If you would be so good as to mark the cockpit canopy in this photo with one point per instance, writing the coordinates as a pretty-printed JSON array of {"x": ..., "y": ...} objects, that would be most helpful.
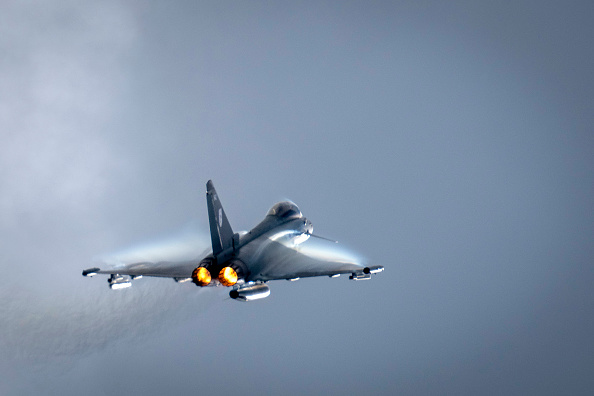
[{"x": 285, "y": 210}]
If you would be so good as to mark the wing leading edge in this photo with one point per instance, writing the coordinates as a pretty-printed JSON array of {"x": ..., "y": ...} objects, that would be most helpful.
[
  {"x": 164, "y": 269},
  {"x": 277, "y": 261}
]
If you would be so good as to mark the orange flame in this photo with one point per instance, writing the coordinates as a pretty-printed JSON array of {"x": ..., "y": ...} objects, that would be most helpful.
[
  {"x": 201, "y": 276},
  {"x": 228, "y": 276}
]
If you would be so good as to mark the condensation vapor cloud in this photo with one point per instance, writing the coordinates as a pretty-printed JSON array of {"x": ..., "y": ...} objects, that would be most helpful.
[
  {"x": 181, "y": 246},
  {"x": 326, "y": 250},
  {"x": 36, "y": 330}
]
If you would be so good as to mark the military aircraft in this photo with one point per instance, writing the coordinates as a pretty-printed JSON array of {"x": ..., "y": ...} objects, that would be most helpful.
[{"x": 246, "y": 261}]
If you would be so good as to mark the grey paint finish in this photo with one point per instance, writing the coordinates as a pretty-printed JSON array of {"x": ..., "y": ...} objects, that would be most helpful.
[{"x": 264, "y": 258}]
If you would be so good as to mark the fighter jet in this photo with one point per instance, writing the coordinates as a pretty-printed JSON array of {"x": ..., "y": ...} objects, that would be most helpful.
[{"x": 246, "y": 261}]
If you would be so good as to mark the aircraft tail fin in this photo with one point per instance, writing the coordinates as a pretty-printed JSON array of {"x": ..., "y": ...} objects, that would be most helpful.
[{"x": 221, "y": 232}]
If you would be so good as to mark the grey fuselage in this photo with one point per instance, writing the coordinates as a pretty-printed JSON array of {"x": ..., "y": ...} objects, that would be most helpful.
[{"x": 248, "y": 246}]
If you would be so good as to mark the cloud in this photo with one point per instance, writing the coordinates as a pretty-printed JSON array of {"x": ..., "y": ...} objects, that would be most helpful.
[
  {"x": 64, "y": 70},
  {"x": 63, "y": 77}
]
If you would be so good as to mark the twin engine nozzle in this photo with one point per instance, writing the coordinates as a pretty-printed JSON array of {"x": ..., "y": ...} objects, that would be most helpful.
[
  {"x": 201, "y": 276},
  {"x": 227, "y": 275}
]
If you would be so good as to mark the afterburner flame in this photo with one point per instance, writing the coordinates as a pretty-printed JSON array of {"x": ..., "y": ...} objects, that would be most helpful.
[
  {"x": 201, "y": 276},
  {"x": 228, "y": 276}
]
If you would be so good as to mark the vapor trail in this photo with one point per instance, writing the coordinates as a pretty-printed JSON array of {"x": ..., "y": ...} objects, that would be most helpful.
[{"x": 78, "y": 320}]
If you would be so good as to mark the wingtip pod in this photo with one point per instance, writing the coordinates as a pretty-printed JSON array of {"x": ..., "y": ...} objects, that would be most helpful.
[
  {"x": 366, "y": 273},
  {"x": 209, "y": 185},
  {"x": 91, "y": 271},
  {"x": 373, "y": 270}
]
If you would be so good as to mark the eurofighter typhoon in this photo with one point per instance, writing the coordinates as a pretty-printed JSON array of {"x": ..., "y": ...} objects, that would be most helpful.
[{"x": 247, "y": 261}]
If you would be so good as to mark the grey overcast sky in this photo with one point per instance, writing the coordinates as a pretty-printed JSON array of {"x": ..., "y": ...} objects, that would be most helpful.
[{"x": 451, "y": 142}]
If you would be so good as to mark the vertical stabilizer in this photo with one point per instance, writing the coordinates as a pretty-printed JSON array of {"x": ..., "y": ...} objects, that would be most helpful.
[{"x": 220, "y": 229}]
